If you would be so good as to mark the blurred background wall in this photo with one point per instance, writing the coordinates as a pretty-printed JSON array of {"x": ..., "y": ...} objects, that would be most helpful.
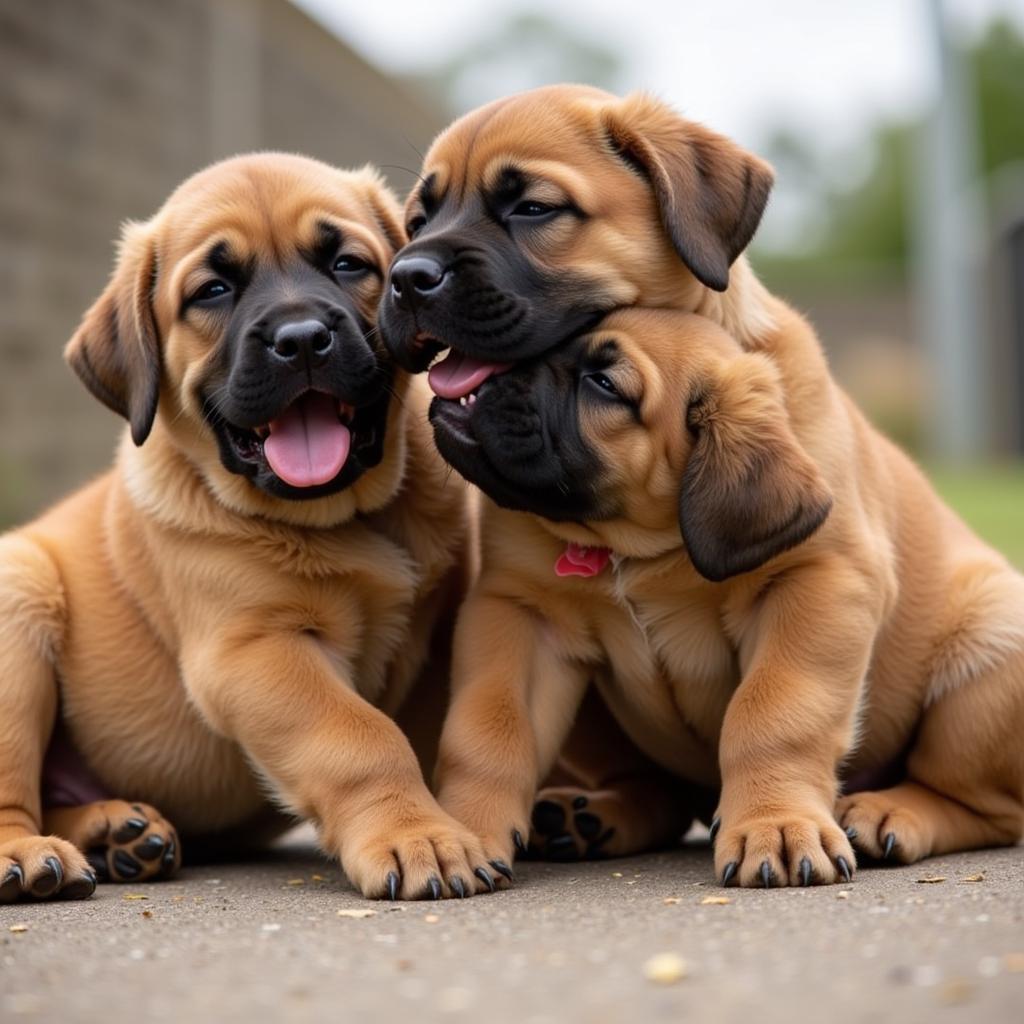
[
  {"x": 105, "y": 105},
  {"x": 896, "y": 128}
]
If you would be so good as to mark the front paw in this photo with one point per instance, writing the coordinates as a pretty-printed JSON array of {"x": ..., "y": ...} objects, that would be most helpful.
[
  {"x": 423, "y": 854},
  {"x": 801, "y": 845},
  {"x": 502, "y": 823}
]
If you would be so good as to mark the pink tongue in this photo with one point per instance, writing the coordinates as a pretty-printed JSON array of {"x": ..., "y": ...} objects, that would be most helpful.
[
  {"x": 308, "y": 444},
  {"x": 457, "y": 375}
]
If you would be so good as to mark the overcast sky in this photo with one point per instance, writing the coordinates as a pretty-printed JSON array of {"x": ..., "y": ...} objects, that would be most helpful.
[
  {"x": 826, "y": 70},
  {"x": 828, "y": 65}
]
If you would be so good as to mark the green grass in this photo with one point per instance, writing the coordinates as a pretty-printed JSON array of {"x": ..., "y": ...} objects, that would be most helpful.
[{"x": 991, "y": 499}]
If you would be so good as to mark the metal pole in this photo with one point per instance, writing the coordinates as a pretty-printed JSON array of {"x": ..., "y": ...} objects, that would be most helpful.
[{"x": 949, "y": 233}]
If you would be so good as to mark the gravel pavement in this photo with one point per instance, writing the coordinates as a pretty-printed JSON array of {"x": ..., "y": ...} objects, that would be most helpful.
[{"x": 275, "y": 941}]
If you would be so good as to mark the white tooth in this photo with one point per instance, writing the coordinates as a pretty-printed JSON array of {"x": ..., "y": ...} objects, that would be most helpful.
[
  {"x": 472, "y": 397},
  {"x": 462, "y": 400}
]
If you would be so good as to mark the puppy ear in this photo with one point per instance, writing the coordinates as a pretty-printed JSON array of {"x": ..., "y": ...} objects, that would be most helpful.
[
  {"x": 749, "y": 491},
  {"x": 116, "y": 350},
  {"x": 387, "y": 211},
  {"x": 711, "y": 193}
]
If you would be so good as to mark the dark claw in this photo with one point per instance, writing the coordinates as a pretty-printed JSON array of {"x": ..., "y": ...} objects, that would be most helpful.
[
  {"x": 167, "y": 864},
  {"x": 80, "y": 888},
  {"x": 844, "y": 868},
  {"x": 730, "y": 870},
  {"x": 503, "y": 869},
  {"x": 151, "y": 848},
  {"x": 588, "y": 825},
  {"x": 392, "y": 883},
  {"x": 48, "y": 882},
  {"x": 716, "y": 824},
  {"x": 851, "y": 833},
  {"x": 458, "y": 886},
  {"x": 766, "y": 874},
  {"x": 126, "y": 865},
  {"x": 485, "y": 876},
  {"x": 805, "y": 871},
  {"x": 98, "y": 862},
  {"x": 517, "y": 840},
  {"x": 890, "y": 843},
  {"x": 131, "y": 829},
  {"x": 579, "y": 803},
  {"x": 434, "y": 888},
  {"x": 10, "y": 887}
]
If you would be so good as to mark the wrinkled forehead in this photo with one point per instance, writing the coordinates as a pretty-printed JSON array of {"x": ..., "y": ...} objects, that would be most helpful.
[
  {"x": 252, "y": 217},
  {"x": 672, "y": 351},
  {"x": 539, "y": 134}
]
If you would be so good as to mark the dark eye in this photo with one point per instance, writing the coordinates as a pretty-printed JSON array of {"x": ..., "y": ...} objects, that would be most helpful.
[
  {"x": 531, "y": 208},
  {"x": 349, "y": 265},
  {"x": 415, "y": 225},
  {"x": 215, "y": 289},
  {"x": 604, "y": 382}
]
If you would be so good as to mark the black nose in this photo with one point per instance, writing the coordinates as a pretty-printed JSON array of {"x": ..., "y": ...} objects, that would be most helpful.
[
  {"x": 303, "y": 341},
  {"x": 416, "y": 278}
]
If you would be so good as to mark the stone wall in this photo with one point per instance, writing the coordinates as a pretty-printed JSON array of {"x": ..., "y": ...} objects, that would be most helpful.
[{"x": 105, "y": 105}]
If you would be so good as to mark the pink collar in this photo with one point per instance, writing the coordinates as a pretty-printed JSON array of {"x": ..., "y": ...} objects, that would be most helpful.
[{"x": 578, "y": 560}]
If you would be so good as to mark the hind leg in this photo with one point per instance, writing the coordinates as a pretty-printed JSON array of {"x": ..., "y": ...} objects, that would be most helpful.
[
  {"x": 605, "y": 798},
  {"x": 123, "y": 842},
  {"x": 31, "y": 622},
  {"x": 965, "y": 777}
]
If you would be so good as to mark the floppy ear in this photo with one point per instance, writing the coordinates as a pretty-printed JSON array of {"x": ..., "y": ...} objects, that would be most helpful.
[
  {"x": 116, "y": 350},
  {"x": 711, "y": 193},
  {"x": 749, "y": 491},
  {"x": 385, "y": 208}
]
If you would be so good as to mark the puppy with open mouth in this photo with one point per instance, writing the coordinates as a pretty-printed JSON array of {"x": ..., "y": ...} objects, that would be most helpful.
[
  {"x": 773, "y": 601},
  {"x": 230, "y": 619}
]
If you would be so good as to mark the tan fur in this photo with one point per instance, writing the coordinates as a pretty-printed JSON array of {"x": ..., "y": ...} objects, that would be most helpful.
[
  {"x": 216, "y": 647},
  {"x": 686, "y": 208},
  {"x": 889, "y": 642}
]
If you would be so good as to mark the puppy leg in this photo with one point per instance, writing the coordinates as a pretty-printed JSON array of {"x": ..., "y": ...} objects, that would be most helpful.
[
  {"x": 333, "y": 758},
  {"x": 965, "y": 777},
  {"x": 514, "y": 698},
  {"x": 789, "y": 723},
  {"x": 31, "y": 626},
  {"x": 605, "y": 798},
  {"x": 123, "y": 842}
]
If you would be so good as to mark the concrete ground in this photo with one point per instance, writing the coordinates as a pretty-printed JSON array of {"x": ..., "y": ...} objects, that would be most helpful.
[{"x": 273, "y": 941}]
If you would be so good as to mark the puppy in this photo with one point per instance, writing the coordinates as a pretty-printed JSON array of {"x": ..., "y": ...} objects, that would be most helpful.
[
  {"x": 235, "y": 612},
  {"x": 535, "y": 216},
  {"x": 771, "y": 597},
  {"x": 539, "y": 213}
]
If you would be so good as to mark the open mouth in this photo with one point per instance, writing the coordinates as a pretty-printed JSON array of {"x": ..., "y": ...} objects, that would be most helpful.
[
  {"x": 458, "y": 376},
  {"x": 309, "y": 443}
]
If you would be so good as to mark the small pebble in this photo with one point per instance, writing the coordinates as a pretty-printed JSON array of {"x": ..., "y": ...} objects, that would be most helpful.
[
  {"x": 271, "y": 928},
  {"x": 18, "y": 928},
  {"x": 715, "y": 901},
  {"x": 431, "y": 918},
  {"x": 843, "y": 894},
  {"x": 931, "y": 880},
  {"x": 956, "y": 991},
  {"x": 671, "y": 900},
  {"x": 665, "y": 969},
  {"x": 358, "y": 913}
]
